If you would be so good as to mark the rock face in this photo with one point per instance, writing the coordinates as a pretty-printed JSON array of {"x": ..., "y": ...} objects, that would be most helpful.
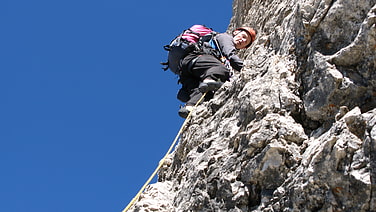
[{"x": 296, "y": 129}]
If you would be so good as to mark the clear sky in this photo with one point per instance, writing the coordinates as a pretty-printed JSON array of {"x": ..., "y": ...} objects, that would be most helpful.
[{"x": 86, "y": 112}]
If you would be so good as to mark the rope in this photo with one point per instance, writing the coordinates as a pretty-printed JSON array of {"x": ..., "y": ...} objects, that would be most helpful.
[{"x": 164, "y": 158}]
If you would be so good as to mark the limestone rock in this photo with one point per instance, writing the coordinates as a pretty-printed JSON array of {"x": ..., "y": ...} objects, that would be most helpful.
[{"x": 296, "y": 129}]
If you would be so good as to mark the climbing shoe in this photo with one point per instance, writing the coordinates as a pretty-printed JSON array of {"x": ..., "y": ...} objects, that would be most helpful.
[
  {"x": 184, "y": 111},
  {"x": 209, "y": 85}
]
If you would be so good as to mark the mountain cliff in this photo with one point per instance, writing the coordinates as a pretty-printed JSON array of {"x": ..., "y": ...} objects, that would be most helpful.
[{"x": 295, "y": 129}]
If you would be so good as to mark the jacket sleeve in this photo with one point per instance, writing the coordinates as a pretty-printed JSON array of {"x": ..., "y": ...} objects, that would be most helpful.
[{"x": 227, "y": 47}]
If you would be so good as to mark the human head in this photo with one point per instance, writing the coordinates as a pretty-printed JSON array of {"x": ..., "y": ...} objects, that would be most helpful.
[{"x": 243, "y": 37}]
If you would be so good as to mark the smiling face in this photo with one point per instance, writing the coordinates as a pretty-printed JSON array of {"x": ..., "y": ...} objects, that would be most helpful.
[{"x": 241, "y": 39}]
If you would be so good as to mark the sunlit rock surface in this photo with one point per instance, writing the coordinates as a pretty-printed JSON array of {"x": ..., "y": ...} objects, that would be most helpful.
[{"x": 295, "y": 130}]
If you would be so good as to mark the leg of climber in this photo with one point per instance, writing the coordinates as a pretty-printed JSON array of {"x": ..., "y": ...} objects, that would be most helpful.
[
  {"x": 189, "y": 106},
  {"x": 203, "y": 74},
  {"x": 211, "y": 72},
  {"x": 189, "y": 84}
]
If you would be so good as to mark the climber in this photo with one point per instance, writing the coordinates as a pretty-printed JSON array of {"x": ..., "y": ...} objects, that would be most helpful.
[{"x": 205, "y": 71}]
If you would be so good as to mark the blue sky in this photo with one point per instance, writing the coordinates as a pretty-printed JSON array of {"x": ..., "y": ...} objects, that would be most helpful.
[{"x": 86, "y": 112}]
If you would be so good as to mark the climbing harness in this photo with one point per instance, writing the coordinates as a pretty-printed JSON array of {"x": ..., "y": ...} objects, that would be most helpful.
[{"x": 164, "y": 158}]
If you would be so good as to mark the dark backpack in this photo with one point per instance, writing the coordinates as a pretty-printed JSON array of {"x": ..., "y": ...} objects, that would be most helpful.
[{"x": 188, "y": 41}]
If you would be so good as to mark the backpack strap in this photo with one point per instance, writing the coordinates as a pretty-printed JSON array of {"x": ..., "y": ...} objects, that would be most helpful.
[
  {"x": 209, "y": 45},
  {"x": 167, "y": 47},
  {"x": 216, "y": 45},
  {"x": 223, "y": 59},
  {"x": 165, "y": 65}
]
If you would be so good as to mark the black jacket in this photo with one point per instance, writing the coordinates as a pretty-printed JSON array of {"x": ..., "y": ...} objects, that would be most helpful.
[{"x": 227, "y": 48}]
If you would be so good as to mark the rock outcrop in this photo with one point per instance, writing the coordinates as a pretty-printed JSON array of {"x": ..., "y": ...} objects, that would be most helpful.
[{"x": 296, "y": 129}]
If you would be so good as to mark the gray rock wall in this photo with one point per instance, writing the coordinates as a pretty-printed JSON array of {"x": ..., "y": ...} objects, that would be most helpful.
[{"x": 295, "y": 130}]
